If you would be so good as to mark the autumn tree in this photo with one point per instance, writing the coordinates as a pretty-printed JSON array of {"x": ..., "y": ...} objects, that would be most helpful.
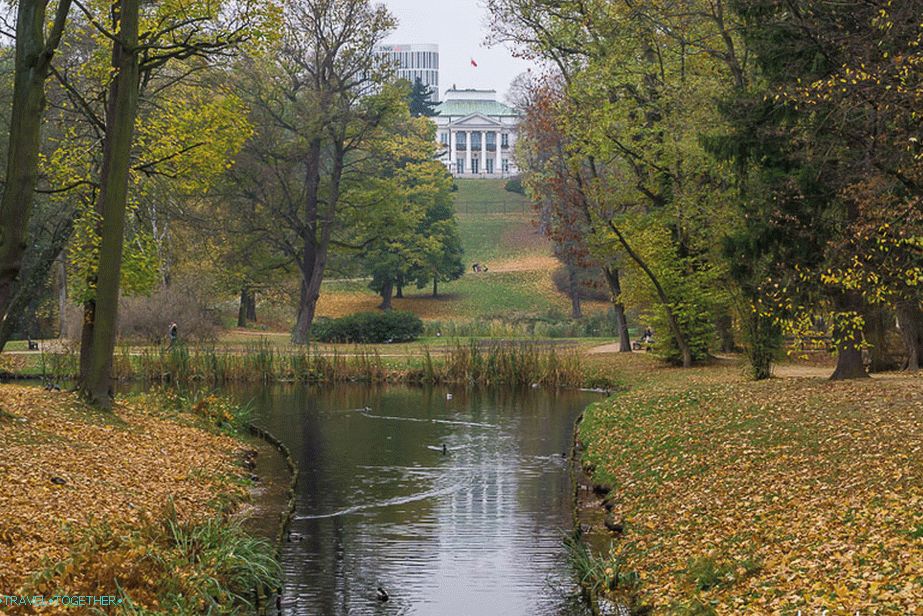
[
  {"x": 37, "y": 42},
  {"x": 316, "y": 104},
  {"x": 829, "y": 137},
  {"x": 144, "y": 45},
  {"x": 638, "y": 96}
]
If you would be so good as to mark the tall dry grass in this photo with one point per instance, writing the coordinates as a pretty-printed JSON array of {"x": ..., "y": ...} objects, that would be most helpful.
[{"x": 493, "y": 363}]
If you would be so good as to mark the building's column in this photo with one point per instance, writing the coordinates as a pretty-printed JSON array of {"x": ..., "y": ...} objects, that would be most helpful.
[
  {"x": 498, "y": 162},
  {"x": 483, "y": 163},
  {"x": 452, "y": 154},
  {"x": 468, "y": 151}
]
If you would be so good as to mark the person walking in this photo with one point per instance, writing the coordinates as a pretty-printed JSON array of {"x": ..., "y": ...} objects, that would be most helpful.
[{"x": 173, "y": 334}]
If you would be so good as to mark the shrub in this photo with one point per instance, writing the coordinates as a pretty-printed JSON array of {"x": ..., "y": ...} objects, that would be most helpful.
[
  {"x": 514, "y": 185},
  {"x": 186, "y": 303},
  {"x": 370, "y": 327},
  {"x": 696, "y": 325}
]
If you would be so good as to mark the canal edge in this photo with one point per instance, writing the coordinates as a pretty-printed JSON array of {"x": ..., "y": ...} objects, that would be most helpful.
[
  {"x": 589, "y": 514},
  {"x": 285, "y": 516}
]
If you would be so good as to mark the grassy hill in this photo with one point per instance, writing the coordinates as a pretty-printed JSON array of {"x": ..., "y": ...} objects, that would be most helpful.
[{"x": 497, "y": 230}]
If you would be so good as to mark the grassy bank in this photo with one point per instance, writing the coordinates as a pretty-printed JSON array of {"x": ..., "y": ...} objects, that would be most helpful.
[
  {"x": 135, "y": 504},
  {"x": 764, "y": 498}
]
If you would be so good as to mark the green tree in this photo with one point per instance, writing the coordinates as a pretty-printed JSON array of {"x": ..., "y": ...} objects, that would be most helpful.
[
  {"x": 317, "y": 103},
  {"x": 142, "y": 44},
  {"x": 421, "y": 103},
  {"x": 35, "y": 49},
  {"x": 825, "y": 141},
  {"x": 405, "y": 223}
]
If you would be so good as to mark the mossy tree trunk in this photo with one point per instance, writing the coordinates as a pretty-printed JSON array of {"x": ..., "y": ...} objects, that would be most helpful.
[
  {"x": 121, "y": 110},
  {"x": 31, "y": 69}
]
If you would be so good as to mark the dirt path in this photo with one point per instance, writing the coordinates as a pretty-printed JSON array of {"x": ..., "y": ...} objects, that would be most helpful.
[{"x": 613, "y": 347}]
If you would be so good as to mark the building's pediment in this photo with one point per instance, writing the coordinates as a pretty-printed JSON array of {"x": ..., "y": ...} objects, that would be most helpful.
[{"x": 475, "y": 120}]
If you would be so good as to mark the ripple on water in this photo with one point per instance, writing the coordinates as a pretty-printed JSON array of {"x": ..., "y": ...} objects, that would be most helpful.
[{"x": 475, "y": 532}]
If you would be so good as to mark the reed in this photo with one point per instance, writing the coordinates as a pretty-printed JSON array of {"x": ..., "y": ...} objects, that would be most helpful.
[{"x": 484, "y": 363}]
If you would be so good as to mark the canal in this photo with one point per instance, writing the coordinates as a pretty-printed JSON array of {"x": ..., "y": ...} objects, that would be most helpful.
[{"x": 453, "y": 501}]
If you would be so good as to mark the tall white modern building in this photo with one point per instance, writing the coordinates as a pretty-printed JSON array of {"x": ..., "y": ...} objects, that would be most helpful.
[
  {"x": 477, "y": 133},
  {"x": 415, "y": 62}
]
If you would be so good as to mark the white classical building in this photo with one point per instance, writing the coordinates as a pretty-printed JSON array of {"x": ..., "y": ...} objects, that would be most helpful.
[
  {"x": 414, "y": 63},
  {"x": 477, "y": 132}
]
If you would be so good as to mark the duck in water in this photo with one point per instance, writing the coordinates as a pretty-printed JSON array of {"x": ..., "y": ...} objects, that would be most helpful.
[
  {"x": 382, "y": 595},
  {"x": 445, "y": 449}
]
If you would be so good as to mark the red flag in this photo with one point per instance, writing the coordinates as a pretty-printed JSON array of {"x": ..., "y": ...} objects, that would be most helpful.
[{"x": 473, "y": 63}]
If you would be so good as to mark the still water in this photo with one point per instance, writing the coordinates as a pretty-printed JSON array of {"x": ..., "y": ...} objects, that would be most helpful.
[{"x": 453, "y": 501}]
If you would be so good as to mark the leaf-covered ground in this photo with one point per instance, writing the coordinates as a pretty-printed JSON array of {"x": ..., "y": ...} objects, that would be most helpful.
[
  {"x": 766, "y": 498},
  {"x": 65, "y": 468}
]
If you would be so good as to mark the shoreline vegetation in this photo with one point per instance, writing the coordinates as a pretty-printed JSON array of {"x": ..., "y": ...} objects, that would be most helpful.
[
  {"x": 709, "y": 493},
  {"x": 154, "y": 494},
  {"x": 493, "y": 362}
]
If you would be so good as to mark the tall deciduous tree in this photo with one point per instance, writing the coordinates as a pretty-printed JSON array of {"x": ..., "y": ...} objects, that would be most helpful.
[
  {"x": 316, "y": 106},
  {"x": 35, "y": 48},
  {"x": 170, "y": 34},
  {"x": 831, "y": 137},
  {"x": 556, "y": 182}
]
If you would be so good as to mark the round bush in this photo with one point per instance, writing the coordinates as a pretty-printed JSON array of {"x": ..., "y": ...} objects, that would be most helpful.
[
  {"x": 370, "y": 327},
  {"x": 514, "y": 185}
]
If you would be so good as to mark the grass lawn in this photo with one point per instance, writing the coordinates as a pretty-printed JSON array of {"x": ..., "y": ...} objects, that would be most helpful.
[
  {"x": 763, "y": 497},
  {"x": 488, "y": 196}
]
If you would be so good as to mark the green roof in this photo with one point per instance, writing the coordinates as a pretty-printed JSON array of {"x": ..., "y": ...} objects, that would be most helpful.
[{"x": 462, "y": 108}]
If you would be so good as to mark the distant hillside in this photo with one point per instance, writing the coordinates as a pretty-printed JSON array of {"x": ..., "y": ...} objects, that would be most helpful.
[{"x": 498, "y": 231}]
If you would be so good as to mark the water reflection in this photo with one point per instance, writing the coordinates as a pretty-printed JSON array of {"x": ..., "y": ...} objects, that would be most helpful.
[{"x": 454, "y": 506}]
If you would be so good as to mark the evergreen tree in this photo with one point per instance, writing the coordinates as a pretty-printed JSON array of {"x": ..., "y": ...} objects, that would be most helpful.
[{"x": 420, "y": 103}]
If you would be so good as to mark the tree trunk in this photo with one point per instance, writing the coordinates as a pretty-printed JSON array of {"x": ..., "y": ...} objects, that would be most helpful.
[
  {"x": 849, "y": 364},
  {"x": 724, "y": 326},
  {"x": 316, "y": 238},
  {"x": 251, "y": 307},
  {"x": 386, "y": 292},
  {"x": 573, "y": 287},
  {"x": 621, "y": 323},
  {"x": 86, "y": 339},
  {"x": 763, "y": 343},
  {"x": 910, "y": 323},
  {"x": 32, "y": 62},
  {"x": 435, "y": 285},
  {"x": 62, "y": 295},
  {"x": 246, "y": 308},
  {"x": 876, "y": 333},
  {"x": 120, "y": 121},
  {"x": 28, "y": 287},
  {"x": 400, "y": 287},
  {"x": 675, "y": 329},
  {"x": 307, "y": 305}
]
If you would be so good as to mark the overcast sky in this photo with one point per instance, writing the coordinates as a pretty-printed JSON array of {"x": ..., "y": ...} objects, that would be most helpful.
[{"x": 459, "y": 28}]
